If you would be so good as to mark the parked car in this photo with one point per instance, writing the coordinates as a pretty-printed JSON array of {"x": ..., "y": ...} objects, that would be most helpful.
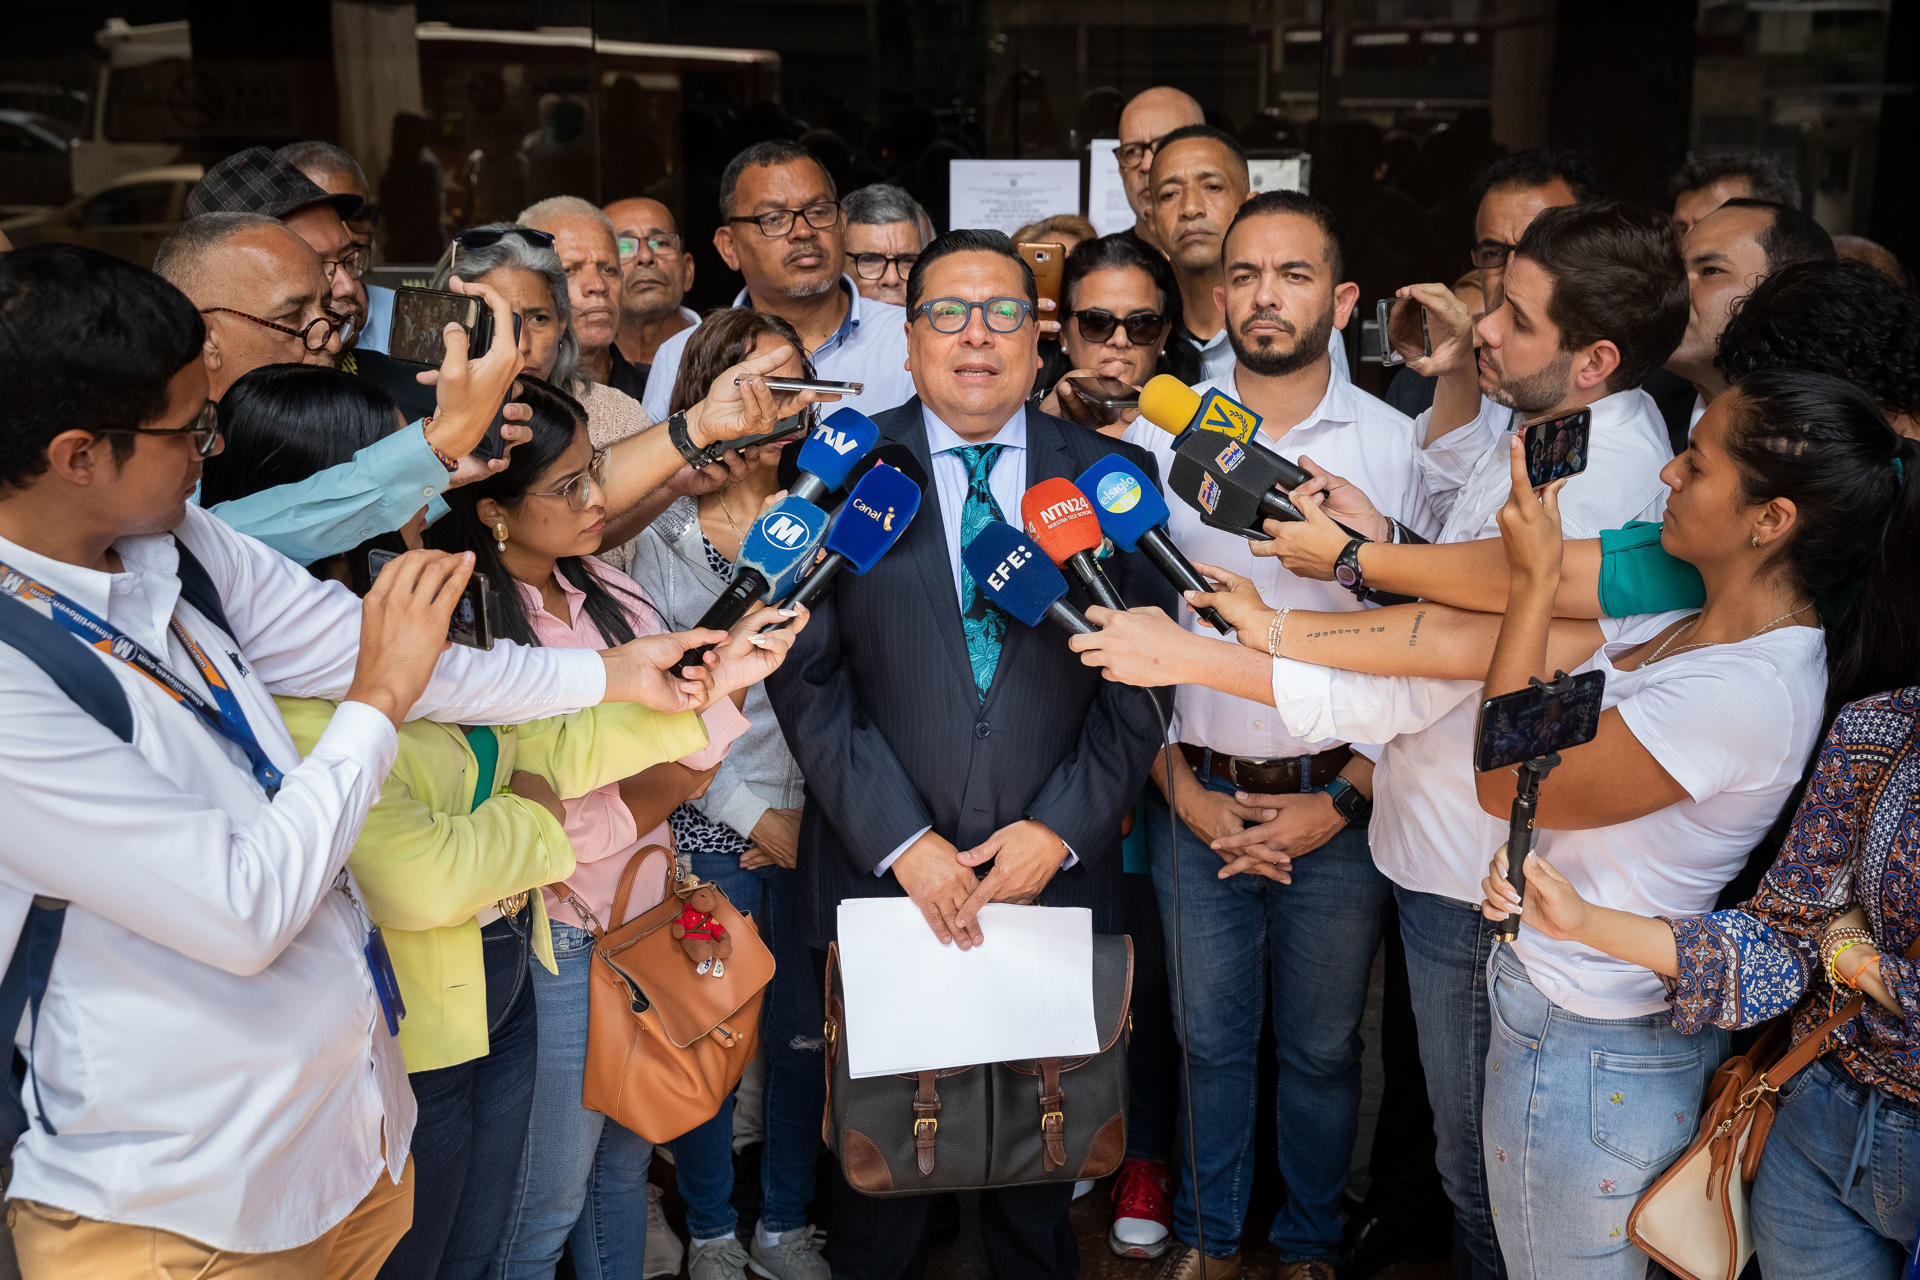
[{"x": 128, "y": 217}]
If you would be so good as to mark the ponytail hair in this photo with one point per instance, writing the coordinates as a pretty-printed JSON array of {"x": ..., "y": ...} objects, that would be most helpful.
[
  {"x": 1822, "y": 443},
  {"x": 557, "y": 421}
]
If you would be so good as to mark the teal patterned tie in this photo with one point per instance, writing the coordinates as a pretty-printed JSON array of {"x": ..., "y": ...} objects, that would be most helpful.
[{"x": 985, "y": 625}]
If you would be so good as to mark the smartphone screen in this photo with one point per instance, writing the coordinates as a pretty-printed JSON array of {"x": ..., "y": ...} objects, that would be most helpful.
[
  {"x": 472, "y": 621},
  {"x": 1108, "y": 393},
  {"x": 420, "y": 320},
  {"x": 1557, "y": 447},
  {"x": 1533, "y": 722},
  {"x": 1048, "y": 261}
]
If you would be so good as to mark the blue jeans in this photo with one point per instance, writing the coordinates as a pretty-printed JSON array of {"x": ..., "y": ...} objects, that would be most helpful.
[
  {"x": 1582, "y": 1115},
  {"x": 1448, "y": 943},
  {"x": 796, "y": 1090},
  {"x": 472, "y": 1130},
  {"x": 583, "y": 1179},
  {"x": 1312, "y": 943},
  {"x": 1838, "y": 1192}
]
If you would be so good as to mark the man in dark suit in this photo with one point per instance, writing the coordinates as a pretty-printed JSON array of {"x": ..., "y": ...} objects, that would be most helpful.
[{"x": 951, "y": 754}]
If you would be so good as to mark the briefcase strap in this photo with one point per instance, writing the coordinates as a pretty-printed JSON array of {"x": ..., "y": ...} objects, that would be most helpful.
[
  {"x": 926, "y": 1121},
  {"x": 1053, "y": 1116}
]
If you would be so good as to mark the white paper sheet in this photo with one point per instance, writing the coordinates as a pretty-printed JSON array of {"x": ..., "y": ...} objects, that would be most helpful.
[
  {"x": 1277, "y": 173},
  {"x": 915, "y": 1005},
  {"x": 1005, "y": 195},
  {"x": 1107, "y": 207}
]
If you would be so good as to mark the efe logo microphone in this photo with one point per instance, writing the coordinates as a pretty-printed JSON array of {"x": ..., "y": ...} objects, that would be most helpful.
[{"x": 1013, "y": 560}]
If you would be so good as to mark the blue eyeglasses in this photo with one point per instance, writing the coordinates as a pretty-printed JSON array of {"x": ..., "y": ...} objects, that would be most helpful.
[{"x": 951, "y": 315}]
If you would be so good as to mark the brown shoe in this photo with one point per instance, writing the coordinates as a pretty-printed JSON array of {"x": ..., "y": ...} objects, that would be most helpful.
[
  {"x": 1184, "y": 1262},
  {"x": 1312, "y": 1269}
]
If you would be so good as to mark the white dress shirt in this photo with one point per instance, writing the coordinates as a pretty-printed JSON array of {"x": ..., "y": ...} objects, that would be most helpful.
[
  {"x": 211, "y": 1050},
  {"x": 1428, "y": 831},
  {"x": 869, "y": 347},
  {"x": 1349, "y": 433}
]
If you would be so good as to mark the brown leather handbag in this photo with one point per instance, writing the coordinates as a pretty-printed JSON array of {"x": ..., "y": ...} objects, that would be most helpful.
[
  {"x": 998, "y": 1124},
  {"x": 666, "y": 1044},
  {"x": 1693, "y": 1220}
]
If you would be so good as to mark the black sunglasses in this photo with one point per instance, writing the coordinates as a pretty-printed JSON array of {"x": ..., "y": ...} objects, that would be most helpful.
[
  {"x": 481, "y": 237},
  {"x": 1143, "y": 329}
]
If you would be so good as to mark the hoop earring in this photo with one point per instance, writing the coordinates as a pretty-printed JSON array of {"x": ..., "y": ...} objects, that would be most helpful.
[{"x": 500, "y": 535}]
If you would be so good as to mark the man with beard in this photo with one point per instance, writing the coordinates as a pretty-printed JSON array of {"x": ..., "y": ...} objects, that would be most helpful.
[
  {"x": 782, "y": 229},
  {"x": 1594, "y": 298},
  {"x": 1297, "y": 918}
]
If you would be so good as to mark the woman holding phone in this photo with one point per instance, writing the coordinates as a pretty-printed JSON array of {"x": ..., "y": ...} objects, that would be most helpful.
[
  {"x": 1790, "y": 506},
  {"x": 1118, "y": 305}
]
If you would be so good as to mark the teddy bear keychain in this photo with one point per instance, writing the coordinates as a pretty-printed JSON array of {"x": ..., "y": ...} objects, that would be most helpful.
[{"x": 702, "y": 937}]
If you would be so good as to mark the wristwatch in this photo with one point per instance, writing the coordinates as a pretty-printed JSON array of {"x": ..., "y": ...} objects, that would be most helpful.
[
  {"x": 1346, "y": 569},
  {"x": 677, "y": 435},
  {"x": 1349, "y": 803}
]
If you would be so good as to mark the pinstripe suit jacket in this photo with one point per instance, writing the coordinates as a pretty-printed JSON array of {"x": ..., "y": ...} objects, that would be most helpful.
[{"x": 878, "y": 705}]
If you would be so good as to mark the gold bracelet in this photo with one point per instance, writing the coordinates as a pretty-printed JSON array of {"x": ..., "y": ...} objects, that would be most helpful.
[
  {"x": 1834, "y": 940},
  {"x": 1274, "y": 629}
]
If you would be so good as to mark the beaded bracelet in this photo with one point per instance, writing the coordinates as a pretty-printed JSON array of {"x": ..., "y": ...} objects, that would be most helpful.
[
  {"x": 450, "y": 463},
  {"x": 1274, "y": 629},
  {"x": 1836, "y": 943}
]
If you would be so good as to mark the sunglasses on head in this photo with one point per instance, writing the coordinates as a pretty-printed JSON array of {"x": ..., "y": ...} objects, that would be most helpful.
[{"x": 1143, "y": 329}]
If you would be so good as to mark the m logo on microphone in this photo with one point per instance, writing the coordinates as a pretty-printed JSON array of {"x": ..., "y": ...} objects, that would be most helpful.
[{"x": 784, "y": 531}]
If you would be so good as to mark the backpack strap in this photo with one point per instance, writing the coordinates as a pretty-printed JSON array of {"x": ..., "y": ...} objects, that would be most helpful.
[
  {"x": 197, "y": 589},
  {"x": 81, "y": 676}
]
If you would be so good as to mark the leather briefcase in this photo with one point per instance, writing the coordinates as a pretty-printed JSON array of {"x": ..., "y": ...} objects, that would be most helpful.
[{"x": 997, "y": 1124}]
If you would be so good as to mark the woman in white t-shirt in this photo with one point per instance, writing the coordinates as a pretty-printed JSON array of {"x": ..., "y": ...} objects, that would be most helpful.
[{"x": 1790, "y": 494}]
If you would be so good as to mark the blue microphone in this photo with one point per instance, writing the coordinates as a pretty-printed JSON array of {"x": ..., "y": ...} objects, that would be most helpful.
[
  {"x": 1135, "y": 516},
  {"x": 874, "y": 516},
  {"x": 1016, "y": 575},
  {"x": 775, "y": 551},
  {"x": 835, "y": 447}
]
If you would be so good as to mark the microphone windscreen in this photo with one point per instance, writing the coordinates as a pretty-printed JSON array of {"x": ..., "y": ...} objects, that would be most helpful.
[
  {"x": 1223, "y": 479},
  {"x": 781, "y": 543},
  {"x": 1168, "y": 403},
  {"x": 840, "y": 441},
  {"x": 1059, "y": 518},
  {"x": 876, "y": 513},
  {"x": 1013, "y": 572},
  {"x": 897, "y": 456},
  {"x": 1125, "y": 499}
]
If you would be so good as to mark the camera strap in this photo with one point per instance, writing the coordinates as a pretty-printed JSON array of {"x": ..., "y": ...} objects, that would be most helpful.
[{"x": 223, "y": 715}]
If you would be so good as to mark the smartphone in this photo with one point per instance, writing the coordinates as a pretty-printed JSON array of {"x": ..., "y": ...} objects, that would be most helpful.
[
  {"x": 472, "y": 621},
  {"x": 1557, "y": 447},
  {"x": 1048, "y": 261},
  {"x": 420, "y": 319},
  {"x": 1535, "y": 721},
  {"x": 1108, "y": 393},
  {"x": 1393, "y": 318},
  {"x": 811, "y": 384}
]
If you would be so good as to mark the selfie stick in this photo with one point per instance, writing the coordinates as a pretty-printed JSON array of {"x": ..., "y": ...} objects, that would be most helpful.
[
  {"x": 1520, "y": 833},
  {"x": 1526, "y": 802}
]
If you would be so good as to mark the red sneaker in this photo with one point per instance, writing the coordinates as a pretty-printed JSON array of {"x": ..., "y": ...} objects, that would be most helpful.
[{"x": 1142, "y": 1209}]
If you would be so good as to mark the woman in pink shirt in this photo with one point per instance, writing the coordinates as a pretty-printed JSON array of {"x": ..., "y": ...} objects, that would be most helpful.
[{"x": 533, "y": 529}]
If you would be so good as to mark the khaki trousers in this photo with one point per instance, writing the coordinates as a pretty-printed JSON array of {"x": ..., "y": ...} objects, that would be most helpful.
[{"x": 54, "y": 1244}]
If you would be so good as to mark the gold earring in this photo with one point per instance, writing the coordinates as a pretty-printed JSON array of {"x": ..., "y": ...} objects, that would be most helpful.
[{"x": 500, "y": 535}]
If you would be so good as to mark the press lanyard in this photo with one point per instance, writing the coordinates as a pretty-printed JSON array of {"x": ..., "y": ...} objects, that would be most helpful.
[{"x": 223, "y": 715}]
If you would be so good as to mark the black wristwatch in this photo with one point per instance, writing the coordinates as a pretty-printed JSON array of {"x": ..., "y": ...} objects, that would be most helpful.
[
  {"x": 1346, "y": 569},
  {"x": 1349, "y": 803},
  {"x": 681, "y": 440}
]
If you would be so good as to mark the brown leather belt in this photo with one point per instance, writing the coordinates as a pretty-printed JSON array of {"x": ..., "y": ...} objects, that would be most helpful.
[{"x": 1270, "y": 777}]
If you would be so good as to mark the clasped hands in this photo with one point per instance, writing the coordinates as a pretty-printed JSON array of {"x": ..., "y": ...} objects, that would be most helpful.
[{"x": 942, "y": 881}]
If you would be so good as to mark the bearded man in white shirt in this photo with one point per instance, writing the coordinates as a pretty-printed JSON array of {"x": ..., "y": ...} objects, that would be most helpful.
[{"x": 211, "y": 1066}]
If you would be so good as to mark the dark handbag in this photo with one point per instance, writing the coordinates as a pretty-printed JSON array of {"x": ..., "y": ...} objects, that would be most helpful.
[{"x": 997, "y": 1124}]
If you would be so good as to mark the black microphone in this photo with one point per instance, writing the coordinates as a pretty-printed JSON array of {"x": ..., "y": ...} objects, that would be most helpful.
[{"x": 1134, "y": 515}]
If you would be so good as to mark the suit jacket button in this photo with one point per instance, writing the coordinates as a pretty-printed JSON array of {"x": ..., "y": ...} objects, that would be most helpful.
[{"x": 982, "y": 729}]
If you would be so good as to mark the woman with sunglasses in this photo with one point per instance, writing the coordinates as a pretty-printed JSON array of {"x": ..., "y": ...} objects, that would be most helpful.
[
  {"x": 533, "y": 529},
  {"x": 1119, "y": 304},
  {"x": 468, "y": 821},
  {"x": 742, "y": 835},
  {"x": 523, "y": 266}
]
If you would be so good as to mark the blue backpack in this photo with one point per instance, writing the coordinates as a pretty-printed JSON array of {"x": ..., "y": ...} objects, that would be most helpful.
[{"x": 78, "y": 673}]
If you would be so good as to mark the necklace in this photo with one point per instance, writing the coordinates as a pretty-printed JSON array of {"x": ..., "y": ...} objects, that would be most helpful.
[
  {"x": 1661, "y": 652},
  {"x": 720, "y": 497}
]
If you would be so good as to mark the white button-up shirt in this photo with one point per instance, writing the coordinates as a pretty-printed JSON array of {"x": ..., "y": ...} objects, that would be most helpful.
[
  {"x": 1349, "y": 433},
  {"x": 869, "y": 347},
  {"x": 211, "y": 1050},
  {"x": 1428, "y": 832}
]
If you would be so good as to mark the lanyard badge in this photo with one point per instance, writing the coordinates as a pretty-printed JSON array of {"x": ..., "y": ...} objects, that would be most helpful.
[
  {"x": 223, "y": 715},
  {"x": 386, "y": 983}
]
